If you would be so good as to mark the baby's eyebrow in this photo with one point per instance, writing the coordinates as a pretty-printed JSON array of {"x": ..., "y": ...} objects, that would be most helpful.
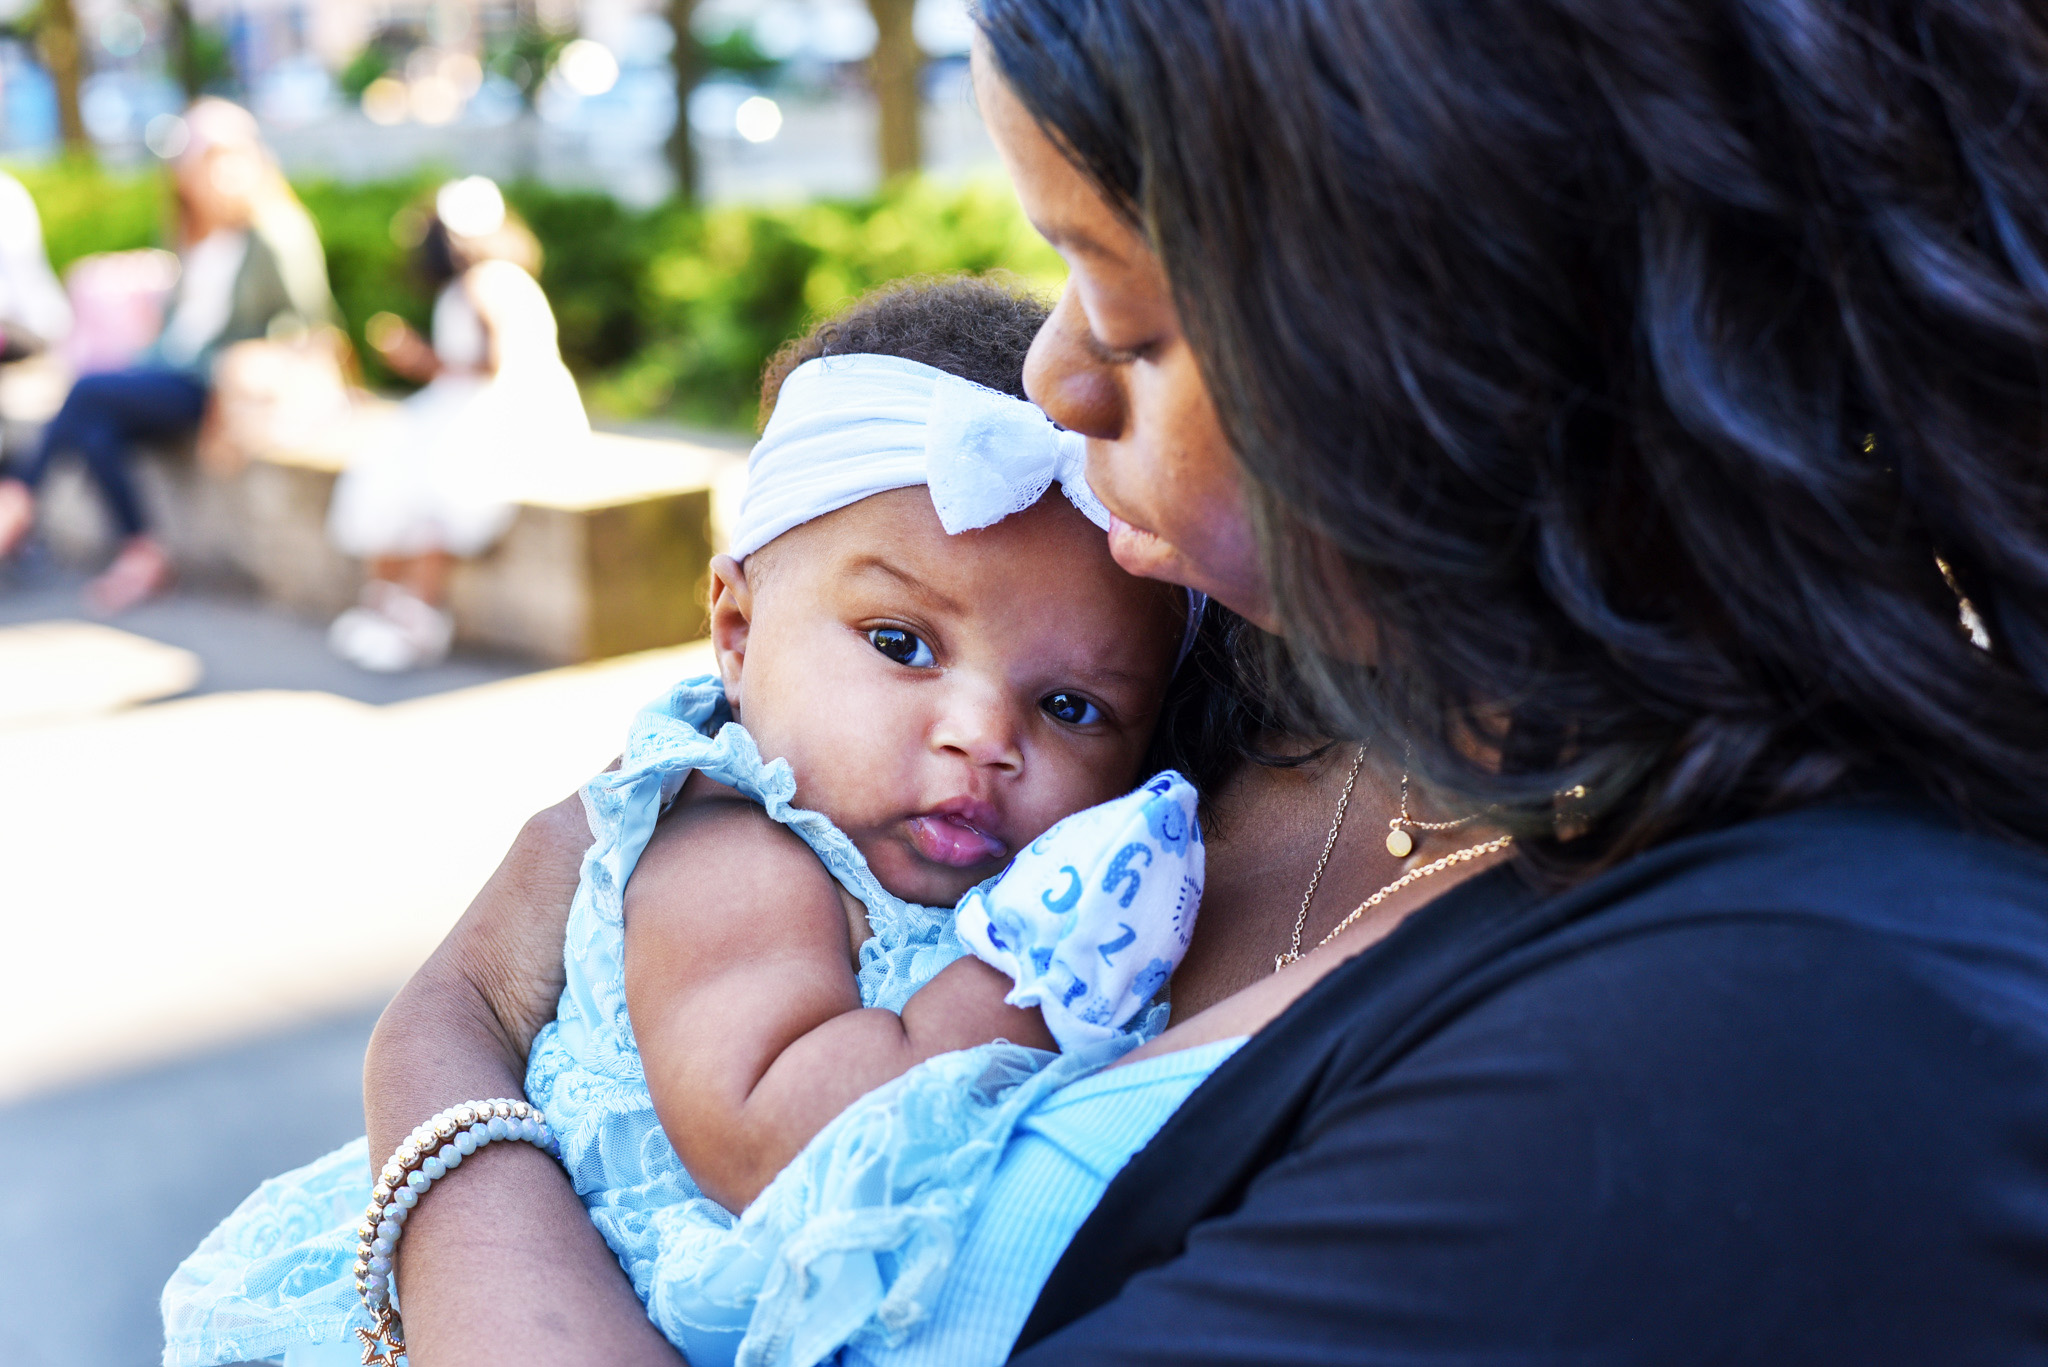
[
  {"x": 1111, "y": 676},
  {"x": 875, "y": 564}
]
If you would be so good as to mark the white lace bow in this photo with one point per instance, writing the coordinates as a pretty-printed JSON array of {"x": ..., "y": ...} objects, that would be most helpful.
[{"x": 848, "y": 427}]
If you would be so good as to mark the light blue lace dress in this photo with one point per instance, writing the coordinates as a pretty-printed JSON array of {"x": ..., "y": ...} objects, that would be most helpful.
[{"x": 850, "y": 1245}]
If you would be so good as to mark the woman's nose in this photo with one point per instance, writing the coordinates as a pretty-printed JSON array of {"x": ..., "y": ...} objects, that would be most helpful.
[
  {"x": 1064, "y": 375},
  {"x": 979, "y": 724}
]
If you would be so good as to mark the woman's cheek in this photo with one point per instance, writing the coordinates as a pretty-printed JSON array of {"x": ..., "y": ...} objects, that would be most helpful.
[{"x": 1207, "y": 519}]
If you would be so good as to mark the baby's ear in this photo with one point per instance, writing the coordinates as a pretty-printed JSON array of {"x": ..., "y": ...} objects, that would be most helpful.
[{"x": 732, "y": 612}]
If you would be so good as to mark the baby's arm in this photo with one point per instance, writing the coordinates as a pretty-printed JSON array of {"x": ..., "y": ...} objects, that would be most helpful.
[{"x": 740, "y": 979}]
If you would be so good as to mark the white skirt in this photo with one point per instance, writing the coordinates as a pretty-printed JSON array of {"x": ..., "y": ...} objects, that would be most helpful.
[{"x": 432, "y": 474}]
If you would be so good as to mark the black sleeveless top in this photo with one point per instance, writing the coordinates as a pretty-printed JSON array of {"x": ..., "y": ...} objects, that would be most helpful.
[{"x": 1774, "y": 1094}]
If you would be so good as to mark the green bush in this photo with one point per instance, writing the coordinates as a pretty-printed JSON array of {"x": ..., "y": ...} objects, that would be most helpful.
[
  {"x": 724, "y": 289},
  {"x": 665, "y": 311},
  {"x": 367, "y": 266},
  {"x": 86, "y": 209}
]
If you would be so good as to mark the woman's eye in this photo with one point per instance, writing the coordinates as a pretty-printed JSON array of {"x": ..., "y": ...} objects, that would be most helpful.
[
  {"x": 904, "y": 647},
  {"x": 1071, "y": 708},
  {"x": 1115, "y": 355}
]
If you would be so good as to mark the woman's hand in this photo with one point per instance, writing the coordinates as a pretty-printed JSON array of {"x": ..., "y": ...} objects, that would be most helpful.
[{"x": 500, "y": 1262}]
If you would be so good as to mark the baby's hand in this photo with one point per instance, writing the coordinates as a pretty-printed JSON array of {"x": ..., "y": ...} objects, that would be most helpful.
[{"x": 1094, "y": 916}]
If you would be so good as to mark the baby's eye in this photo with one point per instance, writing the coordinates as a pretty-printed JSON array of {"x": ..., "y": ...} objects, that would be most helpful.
[
  {"x": 904, "y": 647},
  {"x": 1071, "y": 708}
]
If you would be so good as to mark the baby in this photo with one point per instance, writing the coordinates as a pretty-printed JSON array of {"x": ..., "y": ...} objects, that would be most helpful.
[{"x": 767, "y": 995}]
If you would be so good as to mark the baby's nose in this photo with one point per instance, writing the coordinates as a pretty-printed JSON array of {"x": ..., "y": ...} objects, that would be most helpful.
[{"x": 979, "y": 723}]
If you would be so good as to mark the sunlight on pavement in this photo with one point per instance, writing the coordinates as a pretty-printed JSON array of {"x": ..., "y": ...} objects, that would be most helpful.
[
  {"x": 55, "y": 670},
  {"x": 208, "y": 869}
]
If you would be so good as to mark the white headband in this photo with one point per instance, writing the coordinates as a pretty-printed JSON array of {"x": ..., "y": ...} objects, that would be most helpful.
[{"x": 847, "y": 428}]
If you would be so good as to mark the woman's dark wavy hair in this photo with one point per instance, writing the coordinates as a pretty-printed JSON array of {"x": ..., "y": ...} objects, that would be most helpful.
[{"x": 1635, "y": 366}]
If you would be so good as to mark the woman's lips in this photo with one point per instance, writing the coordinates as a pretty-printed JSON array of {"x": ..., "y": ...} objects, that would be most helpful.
[
  {"x": 951, "y": 840},
  {"x": 1143, "y": 553}
]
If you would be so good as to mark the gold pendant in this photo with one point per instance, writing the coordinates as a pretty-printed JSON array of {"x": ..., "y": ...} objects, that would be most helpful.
[{"x": 1399, "y": 843}]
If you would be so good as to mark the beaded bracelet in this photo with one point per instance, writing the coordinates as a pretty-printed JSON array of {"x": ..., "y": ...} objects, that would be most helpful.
[{"x": 427, "y": 1155}]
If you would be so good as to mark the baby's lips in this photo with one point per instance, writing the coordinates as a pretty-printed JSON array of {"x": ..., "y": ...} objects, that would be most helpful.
[{"x": 952, "y": 841}]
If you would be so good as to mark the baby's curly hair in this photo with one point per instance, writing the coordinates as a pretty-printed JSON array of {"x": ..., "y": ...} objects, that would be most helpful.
[{"x": 978, "y": 327}]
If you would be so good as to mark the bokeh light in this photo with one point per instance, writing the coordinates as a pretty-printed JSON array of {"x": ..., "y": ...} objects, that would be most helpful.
[
  {"x": 758, "y": 119},
  {"x": 588, "y": 67},
  {"x": 167, "y": 136},
  {"x": 121, "y": 34},
  {"x": 386, "y": 101}
]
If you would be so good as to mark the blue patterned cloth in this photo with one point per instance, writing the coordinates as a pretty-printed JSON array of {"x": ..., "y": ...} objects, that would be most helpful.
[
  {"x": 849, "y": 1245},
  {"x": 1093, "y": 917}
]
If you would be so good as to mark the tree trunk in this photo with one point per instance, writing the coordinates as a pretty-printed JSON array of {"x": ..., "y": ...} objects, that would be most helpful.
[
  {"x": 64, "y": 55},
  {"x": 895, "y": 70},
  {"x": 687, "y": 61},
  {"x": 184, "y": 49}
]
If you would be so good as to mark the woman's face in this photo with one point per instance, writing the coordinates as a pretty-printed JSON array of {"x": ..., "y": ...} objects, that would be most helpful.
[
  {"x": 1112, "y": 364},
  {"x": 218, "y": 186}
]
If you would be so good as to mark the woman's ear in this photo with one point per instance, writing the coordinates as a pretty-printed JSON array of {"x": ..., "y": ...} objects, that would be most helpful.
[{"x": 732, "y": 612}]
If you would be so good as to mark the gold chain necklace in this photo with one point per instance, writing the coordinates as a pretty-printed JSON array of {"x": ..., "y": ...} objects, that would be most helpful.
[
  {"x": 1400, "y": 844},
  {"x": 1301, "y": 917},
  {"x": 1414, "y": 875},
  {"x": 1456, "y": 857}
]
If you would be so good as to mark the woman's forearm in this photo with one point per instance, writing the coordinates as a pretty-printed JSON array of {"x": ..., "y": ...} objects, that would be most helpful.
[{"x": 500, "y": 1262}]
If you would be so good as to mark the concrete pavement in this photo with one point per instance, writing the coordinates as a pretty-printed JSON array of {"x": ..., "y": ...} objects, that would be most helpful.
[
  {"x": 125, "y": 1175},
  {"x": 190, "y": 872},
  {"x": 203, "y": 901}
]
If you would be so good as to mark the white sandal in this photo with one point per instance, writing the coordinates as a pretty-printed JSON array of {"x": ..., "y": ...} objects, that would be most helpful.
[{"x": 391, "y": 632}]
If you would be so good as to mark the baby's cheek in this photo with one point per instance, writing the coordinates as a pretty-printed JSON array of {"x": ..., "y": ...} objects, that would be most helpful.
[
  {"x": 1076, "y": 786},
  {"x": 856, "y": 786}
]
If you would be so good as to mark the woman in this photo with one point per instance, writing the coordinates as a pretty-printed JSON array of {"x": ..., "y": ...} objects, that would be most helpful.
[
  {"x": 1608, "y": 403},
  {"x": 426, "y": 485},
  {"x": 251, "y": 267}
]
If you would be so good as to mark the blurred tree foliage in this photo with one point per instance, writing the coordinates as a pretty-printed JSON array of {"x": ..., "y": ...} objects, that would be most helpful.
[
  {"x": 383, "y": 54},
  {"x": 667, "y": 311},
  {"x": 199, "y": 59},
  {"x": 363, "y": 69},
  {"x": 736, "y": 51},
  {"x": 526, "y": 55}
]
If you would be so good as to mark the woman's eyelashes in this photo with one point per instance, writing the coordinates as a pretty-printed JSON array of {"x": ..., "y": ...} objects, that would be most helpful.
[
  {"x": 1071, "y": 708},
  {"x": 1113, "y": 356},
  {"x": 904, "y": 647}
]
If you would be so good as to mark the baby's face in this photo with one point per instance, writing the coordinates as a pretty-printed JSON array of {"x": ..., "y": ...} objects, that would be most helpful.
[{"x": 944, "y": 699}]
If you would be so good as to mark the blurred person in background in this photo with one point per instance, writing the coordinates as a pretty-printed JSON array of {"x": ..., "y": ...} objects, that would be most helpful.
[
  {"x": 35, "y": 315},
  {"x": 427, "y": 485},
  {"x": 251, "y": 267}
]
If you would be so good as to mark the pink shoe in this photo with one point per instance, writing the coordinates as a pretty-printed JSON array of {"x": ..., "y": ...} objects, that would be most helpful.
[
  {"x": 17, "y": 515},
  {"x": 139, "y": 573}
]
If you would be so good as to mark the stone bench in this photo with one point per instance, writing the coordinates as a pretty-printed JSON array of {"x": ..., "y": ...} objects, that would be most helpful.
[{"x": 606, "y": 554}]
